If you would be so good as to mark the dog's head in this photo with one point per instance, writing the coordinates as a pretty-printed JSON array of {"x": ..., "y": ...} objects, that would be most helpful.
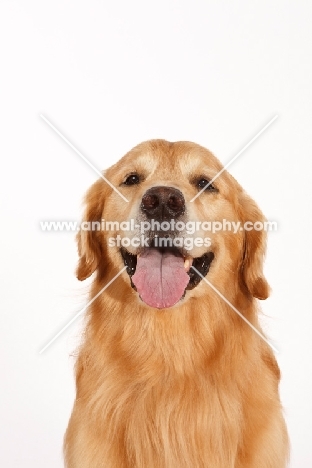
[{"x": 168, "y": 239}]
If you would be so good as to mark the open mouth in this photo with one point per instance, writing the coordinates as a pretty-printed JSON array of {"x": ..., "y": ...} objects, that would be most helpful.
[{"x": 161, "y": 276}]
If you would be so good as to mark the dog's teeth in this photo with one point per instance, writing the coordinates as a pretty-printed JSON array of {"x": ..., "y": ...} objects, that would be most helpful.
[{"x": 187, "y": 263}]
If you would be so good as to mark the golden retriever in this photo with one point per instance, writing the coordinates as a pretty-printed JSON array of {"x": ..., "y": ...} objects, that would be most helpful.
[{"x": 168, "y": 374}]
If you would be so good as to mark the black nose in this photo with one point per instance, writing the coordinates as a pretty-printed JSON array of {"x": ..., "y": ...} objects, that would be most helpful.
[{"x": 163, "y": 203}]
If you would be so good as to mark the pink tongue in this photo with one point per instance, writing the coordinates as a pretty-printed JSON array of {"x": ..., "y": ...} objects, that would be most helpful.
[{"x": 160, "y": 278}]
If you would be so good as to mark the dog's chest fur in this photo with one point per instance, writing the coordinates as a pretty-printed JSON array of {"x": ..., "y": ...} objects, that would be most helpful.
[{"x": 160, "y": 397}]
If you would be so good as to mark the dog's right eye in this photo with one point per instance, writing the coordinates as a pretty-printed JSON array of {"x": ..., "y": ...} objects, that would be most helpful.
[
  {"x": 132, "y": 179},
  {"x": 203, "y": 182}
]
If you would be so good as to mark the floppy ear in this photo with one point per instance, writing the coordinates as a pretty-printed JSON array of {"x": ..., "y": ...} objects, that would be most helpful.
[
  {"x": 89, "y": 245},
  {"x": 254, "y": 250}
]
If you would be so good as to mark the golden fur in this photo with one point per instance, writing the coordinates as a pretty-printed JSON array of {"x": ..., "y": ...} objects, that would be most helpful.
[{"x": 191, "y": 386}]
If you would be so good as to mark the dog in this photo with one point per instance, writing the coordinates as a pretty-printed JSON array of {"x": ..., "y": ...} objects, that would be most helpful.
[{"x": 168, "y": 374}]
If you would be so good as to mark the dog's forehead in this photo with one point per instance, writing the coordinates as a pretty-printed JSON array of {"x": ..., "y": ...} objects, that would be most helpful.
[{"x": 161, "y": 156}]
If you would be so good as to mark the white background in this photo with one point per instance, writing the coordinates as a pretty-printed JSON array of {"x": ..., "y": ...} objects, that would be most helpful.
[{"x": 109, "y": 75}]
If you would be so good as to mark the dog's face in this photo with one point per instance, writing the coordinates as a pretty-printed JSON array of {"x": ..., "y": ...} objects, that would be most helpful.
[{"x": 168, "y": 241}]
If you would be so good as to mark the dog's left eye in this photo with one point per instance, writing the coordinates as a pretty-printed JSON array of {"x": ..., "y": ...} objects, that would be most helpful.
[
  {"x": 202, "y": 183},
  {"x": 132, "y": 179}
]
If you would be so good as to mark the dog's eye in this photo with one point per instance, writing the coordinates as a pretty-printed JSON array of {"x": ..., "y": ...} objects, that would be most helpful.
[
  {"x": 202, "y": 183},
  {"x": 132, "y": 179}
]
